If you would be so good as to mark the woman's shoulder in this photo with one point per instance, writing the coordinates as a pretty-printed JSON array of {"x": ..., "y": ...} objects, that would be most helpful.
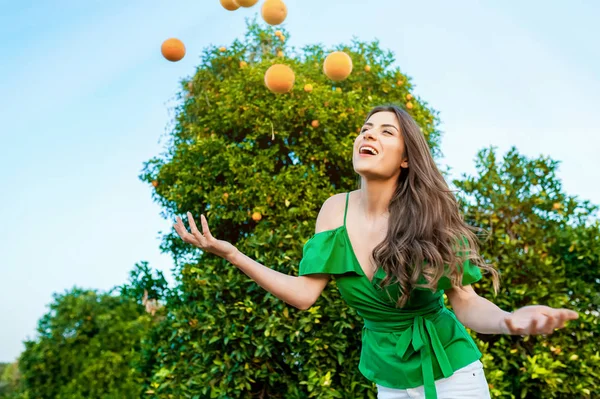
[{"x": 331, "y": 215}]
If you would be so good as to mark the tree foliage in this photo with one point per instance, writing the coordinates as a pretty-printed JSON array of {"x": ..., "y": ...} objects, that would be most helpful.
[
  {"x": 546, "y": 244},
  {"x": 9, "y": 378},
  {"x": 88, "y": 344}
]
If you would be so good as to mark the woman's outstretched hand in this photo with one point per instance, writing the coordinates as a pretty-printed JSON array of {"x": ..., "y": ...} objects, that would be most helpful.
[
  {"x": 203, "y": 239},
  {"x": 537, "y": 319}
]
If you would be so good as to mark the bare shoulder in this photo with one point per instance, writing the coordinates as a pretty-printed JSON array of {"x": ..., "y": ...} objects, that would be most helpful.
[{"x": 331, "y": 215}]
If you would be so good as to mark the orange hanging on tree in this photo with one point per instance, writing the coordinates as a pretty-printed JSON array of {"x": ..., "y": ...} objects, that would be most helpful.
[
  {"x": 279, "y": 78},
  {"x": 173, "y": 49},
  {"x": 274, "y": 12},
  {"x": 337, "y": 66},
  {"x": 256, "y": 216}
]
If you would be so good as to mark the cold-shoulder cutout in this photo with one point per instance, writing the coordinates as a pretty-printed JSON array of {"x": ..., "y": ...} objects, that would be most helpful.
[{"x": 331, "y": 214}]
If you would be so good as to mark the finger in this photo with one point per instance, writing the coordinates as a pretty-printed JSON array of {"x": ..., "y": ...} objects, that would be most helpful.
[
  {"x": 195, "y": 232},
  {"x": 179, "y": 227},
  {"x": 533, "y": 326},
  {"x": 192, "y": 222},
  {"x": 571, "y": 314},
  {"x": 205, "y": 228},
  {"x": 183, "y": 233},
  {"x": 560, "y": 320},
  {"x": 567, "y": 315},
  {"x": 511, "y": 326},
  {"x": 180, "y": 224},
  {"x": 549, "y": 325},
  {"x": 561, "y": 316}
]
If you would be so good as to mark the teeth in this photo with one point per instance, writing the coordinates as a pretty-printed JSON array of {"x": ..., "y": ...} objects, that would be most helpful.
[{"x": 370, "y": 149}]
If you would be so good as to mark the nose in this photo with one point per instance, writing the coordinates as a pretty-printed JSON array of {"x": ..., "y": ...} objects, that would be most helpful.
[{"x": 369, "y": 135}]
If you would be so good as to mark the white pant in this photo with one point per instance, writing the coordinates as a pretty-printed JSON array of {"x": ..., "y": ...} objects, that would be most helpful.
[{"x": 468, "y": 382}]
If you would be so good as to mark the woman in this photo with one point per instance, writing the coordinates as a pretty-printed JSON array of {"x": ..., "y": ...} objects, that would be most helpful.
[{"x": 395, "y": 246}]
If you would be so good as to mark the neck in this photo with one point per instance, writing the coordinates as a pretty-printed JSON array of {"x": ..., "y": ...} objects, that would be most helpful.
[{"x": 375, "y": 197}]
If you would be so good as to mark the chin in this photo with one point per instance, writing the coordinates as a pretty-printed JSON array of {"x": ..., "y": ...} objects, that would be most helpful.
[
  {"x": 372, "y": 172},
  {"x": 364, "y": 165}
]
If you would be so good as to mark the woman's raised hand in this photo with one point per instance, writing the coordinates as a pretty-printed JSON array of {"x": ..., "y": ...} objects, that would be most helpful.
[{"x": 203, "y": 239}]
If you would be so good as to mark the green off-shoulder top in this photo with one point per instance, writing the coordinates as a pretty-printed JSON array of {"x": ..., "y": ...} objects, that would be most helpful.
[{"x": 401, "y": 347}]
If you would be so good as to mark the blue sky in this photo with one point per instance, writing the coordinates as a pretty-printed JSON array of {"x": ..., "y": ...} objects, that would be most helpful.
[{"x": 88, "y": 96}]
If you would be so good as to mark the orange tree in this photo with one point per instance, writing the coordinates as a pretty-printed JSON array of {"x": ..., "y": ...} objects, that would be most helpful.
[
  {"x": 546, "y": 244},
  {"x": 88, "y": 345},
  {"x": 259, "y": 168}
]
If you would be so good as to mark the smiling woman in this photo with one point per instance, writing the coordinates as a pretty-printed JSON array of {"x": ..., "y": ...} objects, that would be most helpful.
[{"x": 395, "y": 246}]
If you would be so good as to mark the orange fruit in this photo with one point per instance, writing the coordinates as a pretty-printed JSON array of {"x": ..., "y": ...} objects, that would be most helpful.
[
  {"x": 155, "y": 183},
  {"x": 400, "y": 82},
  {"x": 256, "y": 216},
  {"x": 278, "y": 33},
  {"x": 409, "y": 105},
  {"x": 367, "y": 68},
  {"x": 308, "y": 88},
  {"x": 225, "y": 195},
  {"x": 315, "y": 123},
  {"x": 282, "y": 38},
  {"x": 274, "y": 12},
  {"x": 279, "y": 78},
  {"x": 409, "y": 97},
  {"x": 556, "y": 206},
  {"x": 280, "y": 53},
  {"x": 222, "y": 49},
  {"x": 243, "y": 64},
  {"x": 230, "y": 5},
  {"x": 173, "y": 49},
  {"x": 337, "y": 66},
  {"x": 246, "y": 3}
]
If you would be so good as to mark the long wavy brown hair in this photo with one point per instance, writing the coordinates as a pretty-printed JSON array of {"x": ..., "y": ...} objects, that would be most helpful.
[{"x": 427, "y": 236}]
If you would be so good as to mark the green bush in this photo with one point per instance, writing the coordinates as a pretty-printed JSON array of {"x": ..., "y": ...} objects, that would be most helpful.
[
  {"x": 546, "y": 244},
  {"x": 88, "y": 346},
  {"x": 9, "y": 378}
]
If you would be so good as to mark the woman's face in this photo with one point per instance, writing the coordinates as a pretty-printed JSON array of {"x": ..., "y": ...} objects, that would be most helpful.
[{"x": 379, "y": 148}]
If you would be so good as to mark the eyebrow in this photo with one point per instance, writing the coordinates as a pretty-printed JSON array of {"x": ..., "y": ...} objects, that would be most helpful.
[{"x": 384, "y": 125}]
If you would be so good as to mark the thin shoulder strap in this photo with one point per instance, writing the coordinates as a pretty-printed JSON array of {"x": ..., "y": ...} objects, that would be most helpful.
[{"x": 346, "y": 210}]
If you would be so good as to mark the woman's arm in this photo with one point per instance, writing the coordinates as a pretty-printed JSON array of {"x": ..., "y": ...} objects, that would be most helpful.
[
  {"x": 484, "y": 317},
  {"x": 298, "y": 291},
  {"x": 475, "y": 312}
]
